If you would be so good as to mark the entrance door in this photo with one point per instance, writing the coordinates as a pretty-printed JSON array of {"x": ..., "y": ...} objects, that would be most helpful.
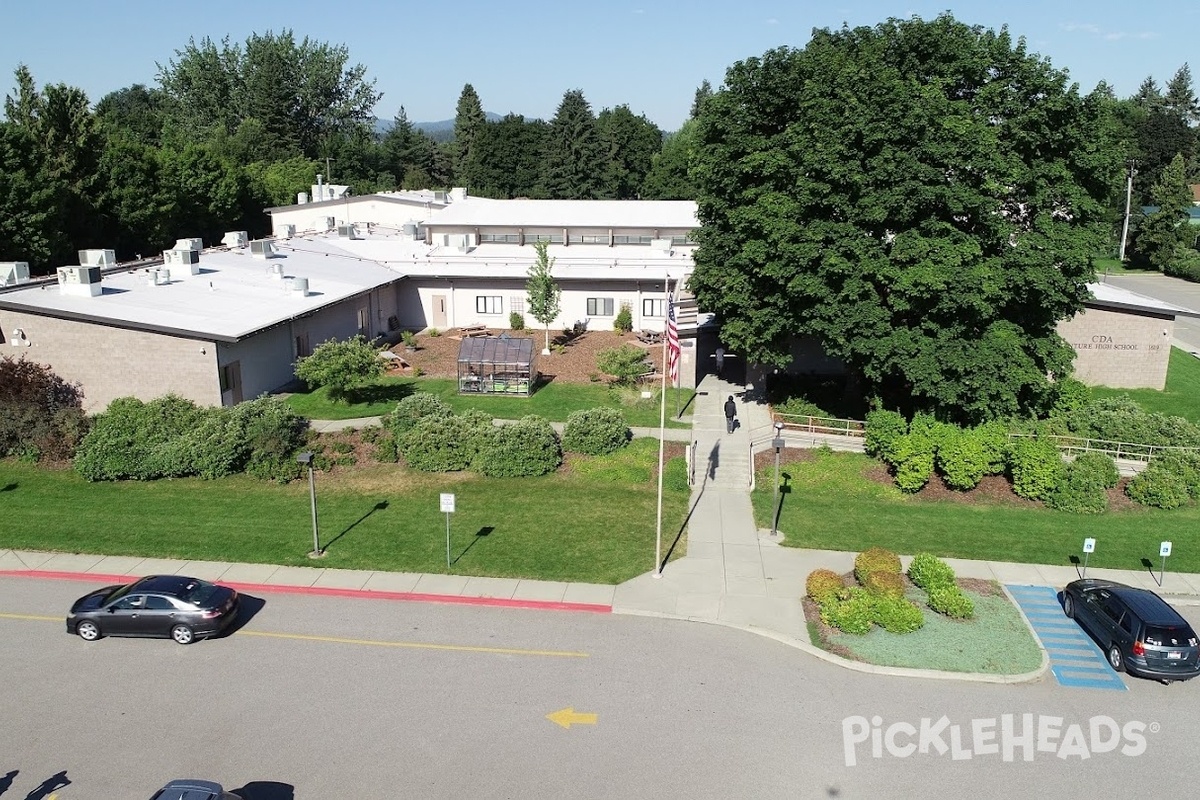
[
  {"x": 439, "y": 311},
  {"x": 232, "y": 373}
]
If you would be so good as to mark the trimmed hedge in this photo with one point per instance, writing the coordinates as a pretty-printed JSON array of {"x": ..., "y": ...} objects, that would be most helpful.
[
  {"x": 912, "y": 461},
  {"x": 875, "y": 559},
  {"x": 1158, "y": 486},
  {"x": 1037, "y": 468},
  {"x": 951, "y": 601},
  {"x": 851, "y": 612},
  {"x": 412, "y": 408},
  {"x": 895, "y": 614},
  {"x": 823, "y": 586},
  {"x": 525, "y": 448},
  {"x": 883, "y": 428},
  {"x": 884, "y": 583},
  {"x": 928, "y": 571},
  {"x": 595, "y": 431},
  {"x": 961, "y": 459}
]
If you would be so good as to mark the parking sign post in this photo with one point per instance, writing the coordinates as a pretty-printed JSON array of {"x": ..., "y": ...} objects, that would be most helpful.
[
  {"x": 1089, "y": 546},
  {"x": 448, "y": 508},
  {"x": 1164, "y": 550}
]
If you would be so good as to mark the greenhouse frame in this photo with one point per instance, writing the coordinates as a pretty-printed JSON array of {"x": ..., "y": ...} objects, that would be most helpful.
[{"x": 496, "y": 365}]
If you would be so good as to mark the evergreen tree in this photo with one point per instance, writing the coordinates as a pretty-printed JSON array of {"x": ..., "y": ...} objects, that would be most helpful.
[
  {"x": 669, "y": 177},
  {"x": 1180, "y": 98},
  {"x": 1148, "y": 97},
  {"x": 573, "y": 160},
  {"x": 703, "y": 92},
  {"x": 407, "y": 153},
  {"x": 469, "y": 120},
  {"x": 1160, "y": 234},
  {"x": 630, "y": 144},
  {"x": 509, "y": 157}
]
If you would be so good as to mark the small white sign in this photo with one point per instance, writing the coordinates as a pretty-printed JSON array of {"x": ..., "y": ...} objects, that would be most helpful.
[
  {"x": 1089, "y": 545},
  {"x": 448, "y": 502},
  {"x": 1164, "y": 549}
]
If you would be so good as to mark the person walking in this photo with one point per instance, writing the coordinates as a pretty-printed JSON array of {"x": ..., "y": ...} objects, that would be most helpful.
[
  {"x": 730, "y": 413},
  {"x": 720, "y": 356}
]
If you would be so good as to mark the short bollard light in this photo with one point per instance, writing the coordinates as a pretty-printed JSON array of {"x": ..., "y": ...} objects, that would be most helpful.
[{"x": 778, "y": 444}]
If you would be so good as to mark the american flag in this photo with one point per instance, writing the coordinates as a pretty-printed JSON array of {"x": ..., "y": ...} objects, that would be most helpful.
[{"x": 672, "y": 343}]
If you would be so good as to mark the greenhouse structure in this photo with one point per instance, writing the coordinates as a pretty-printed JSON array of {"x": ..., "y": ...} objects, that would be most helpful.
[{"x": 496, "y": 365}]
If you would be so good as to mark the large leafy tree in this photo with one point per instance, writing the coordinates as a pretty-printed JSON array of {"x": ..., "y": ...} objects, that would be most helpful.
[
  {"x": 922, "y": 197},
  {"x": 669, "y": 178},
  {"x": 301, "y": 93},
  {"x": 340, "y": 366},
  {"x": 573, "y": 158},
  {"x": 30, "y": 208},
  {"x": 630, "y": 144}
]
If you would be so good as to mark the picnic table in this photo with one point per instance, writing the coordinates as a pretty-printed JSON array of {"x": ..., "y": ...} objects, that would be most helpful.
[
  {"x": 473, "y": 330},
  {"x": 649, "y": 337}
]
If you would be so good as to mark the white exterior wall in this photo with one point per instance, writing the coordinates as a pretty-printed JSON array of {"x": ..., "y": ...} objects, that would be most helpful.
[{"x": 362, "y": 210}]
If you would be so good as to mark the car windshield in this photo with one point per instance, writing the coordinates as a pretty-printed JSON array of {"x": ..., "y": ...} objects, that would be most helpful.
[
  {"x": 118, "y": 593},
  {"x": 1161, "y": 636},
  {"x": 198, "y": 592}
]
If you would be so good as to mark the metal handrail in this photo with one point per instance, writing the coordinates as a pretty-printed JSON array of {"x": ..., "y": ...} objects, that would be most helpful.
[
  {"x": 835, "y": 426},
  {"x": 1127, "y": 451}
]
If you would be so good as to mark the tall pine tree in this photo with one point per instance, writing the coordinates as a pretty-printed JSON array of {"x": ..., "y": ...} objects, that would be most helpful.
[
  {"x": 573, "y": 160},
  {"x": 469, "y": 120}
]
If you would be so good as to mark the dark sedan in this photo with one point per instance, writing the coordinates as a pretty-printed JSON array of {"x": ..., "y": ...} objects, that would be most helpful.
[
  {"x": 193, "y": 790},
  {"x": 1136, "y": 628},
  {"x": 158, "y": 606}
]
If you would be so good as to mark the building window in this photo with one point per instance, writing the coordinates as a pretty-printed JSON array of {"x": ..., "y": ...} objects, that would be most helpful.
[
  {"x": 549, "y": 238},
  {"x": 516, "y": 305},
  {"x": 485, "y": 304},
  {"x": 499, "y": 238},
  {"x": 652, "y": 307},
  {"x": 588, "y": 238},
  {"x": 632, "y": 239},
  {"x": 599, "y": 306}
]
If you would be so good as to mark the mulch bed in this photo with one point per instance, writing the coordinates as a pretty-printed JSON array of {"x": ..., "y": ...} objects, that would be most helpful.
[{"x": 437, "y": 356}]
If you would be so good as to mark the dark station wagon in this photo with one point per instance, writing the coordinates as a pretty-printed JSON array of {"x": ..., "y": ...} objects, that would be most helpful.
[{"x": 1136, "y": 628}]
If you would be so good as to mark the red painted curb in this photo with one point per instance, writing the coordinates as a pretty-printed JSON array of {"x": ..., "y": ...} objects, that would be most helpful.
[{"x": 361, "y": 594}]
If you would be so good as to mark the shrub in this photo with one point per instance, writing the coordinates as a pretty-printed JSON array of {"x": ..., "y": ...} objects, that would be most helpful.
[
  {"x": 409, "y": 339},
  {"x": 1099, "y": 467},
  {"x": 271, "y": 428},
  {"x": 437, "y": 444},
  {"x": 875, "y": 559},
  {"x": 595, "y": 431},
  {"x": 912, "y": 461},
  {"x": 339, "y": 366},
  {"x": 883, "y": 583},
  {"x": 280, "y": 469},
  {"x": 41, "y": 415},
  {"x": 951, "y": 601},
  {"x": 1186, "y": 465},
  {"x": 883, "y": 428},
  {"x": 993, "y": 438},
  {"x": 412, "y": 408},
  {"x": 371, "y": 434},
  {"x": 626, "y": 363},
  {"x": 137, "y": 440},
  {"x": 434, "y": 333},
  {"x": 524, "y": 448},
  {"x": 961, "y": 459},
  {"x": 895, "y": 614},
  {"x": 1122, "y": 419},
  {"x": 1070, "y": 395},
  {"x": 386, "y": 450},
  {"x": 851, "y": 612},
  {"x": 1157, "y": 486},
  {"x": 928, "y": 571},
  {"x": 1037, "y": 468},
  {"x": 623, "y": 321},
  {"x": 823, "y": 585},
  {"x": 516, "y": 321},
  {"x": 214, "y": 447},
  {"x": 1081, "y": 492}
]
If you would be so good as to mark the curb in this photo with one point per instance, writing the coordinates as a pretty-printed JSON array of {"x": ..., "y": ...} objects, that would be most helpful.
[
  {"x": 859, "y": 666},
  {"x": 361, "y": 594}
]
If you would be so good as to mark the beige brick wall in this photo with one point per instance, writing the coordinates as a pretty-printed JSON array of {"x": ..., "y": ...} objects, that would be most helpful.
[
  {"x": 112, "y": 362},
  {"x": 1120, "y": 349}
]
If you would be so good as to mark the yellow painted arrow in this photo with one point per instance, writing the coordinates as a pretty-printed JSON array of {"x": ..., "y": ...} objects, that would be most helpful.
[{"x": 568, "y": 716}]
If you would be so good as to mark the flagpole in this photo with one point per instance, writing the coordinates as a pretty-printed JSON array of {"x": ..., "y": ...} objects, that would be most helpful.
[{"x": 662, "y": 430}]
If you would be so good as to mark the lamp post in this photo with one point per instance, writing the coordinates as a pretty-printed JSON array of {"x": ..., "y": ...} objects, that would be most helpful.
[
  {"x": 306, "y": 459},
  {"x": 777, "y": 443},
  {"x": 1131, "y": 166}
]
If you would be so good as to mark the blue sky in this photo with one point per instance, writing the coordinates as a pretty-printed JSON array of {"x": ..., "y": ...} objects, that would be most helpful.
[{"x": 522, "y": 56}]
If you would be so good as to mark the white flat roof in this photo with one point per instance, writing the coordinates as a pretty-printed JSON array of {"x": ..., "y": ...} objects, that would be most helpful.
[
  {"x": 483, "y": 212},
  {"x": 1109, "y": 295},
  {"x": 233, "y": 296}
]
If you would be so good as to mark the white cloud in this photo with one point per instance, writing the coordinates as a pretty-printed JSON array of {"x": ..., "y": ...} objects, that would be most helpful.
[
  {"x": 1108, "y": 36},
  {"x": 772, "y": 21}
]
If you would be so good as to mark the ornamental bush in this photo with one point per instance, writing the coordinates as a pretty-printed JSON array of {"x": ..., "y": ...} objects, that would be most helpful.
[
  {"x": 883, "y": 428},
  {"x": 1121, "y": 419},
  {"x": 595, "y": 431},
  {"x": 928, "y": 571},
  {"x": 823, "y": 586},
  {"x": 951, "y": 601},
  {"x": 340, "y": 366},
  {"x": 851, "y": 612},
  {"x": 883, "y": 583},
  {"x": 1099, "y": 467},
  {"x": 1081, "y": 492},
  {"x": 439, "y": 444},
  {"x": 623, "y": 321},
  {"x": 961, "y": 459},
  {"x": 626, "y": 363},
  {"x": 524, "y": 448},
  {"x": 1186, "y": 465},
  {"x": 412, "y": 408},
  {"x": 1157, "y": 486},
  {"x": 912, "y": 461},
  {"x": 1037, "y": 468},
  {"x": 993, "y": 438},
  {"x": 41, "y": 415},
  {"x": 875, "y": 559},
  {"x": 139, "y": 441},
  {"x": 895, "y": 614}
]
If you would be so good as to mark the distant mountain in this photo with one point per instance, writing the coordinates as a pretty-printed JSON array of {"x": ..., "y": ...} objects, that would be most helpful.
[{"x": 437, "y": 130}]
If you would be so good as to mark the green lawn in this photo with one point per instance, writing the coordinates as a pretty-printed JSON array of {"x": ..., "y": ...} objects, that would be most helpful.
[
  {"x": 594, "y": 523},
  {"x": 554, "y": 401},
  {"x": 829, "y": 504},
  {"x": 1180, "y": 398},
  {"x": 1114, "y": 266}
]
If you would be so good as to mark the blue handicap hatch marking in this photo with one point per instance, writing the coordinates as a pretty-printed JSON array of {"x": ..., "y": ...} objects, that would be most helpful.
[{"x": 1075, "y": 660}]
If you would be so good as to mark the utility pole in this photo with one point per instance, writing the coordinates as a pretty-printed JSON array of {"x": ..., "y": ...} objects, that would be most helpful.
[
  {"x": 1131, "y": 165},
  {"x": 328, "y": 170}
]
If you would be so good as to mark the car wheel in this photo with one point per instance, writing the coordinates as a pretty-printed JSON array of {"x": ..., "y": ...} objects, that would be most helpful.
[
  {"x": 1069, "y": 606},
  {"x": 1115, "y": 659},
  {"x": 88, "y": 631},
  {"x": 183, "y": 634}
]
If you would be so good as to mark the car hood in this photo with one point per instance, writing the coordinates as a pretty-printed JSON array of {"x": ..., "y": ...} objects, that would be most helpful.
[{"x": 93, "y": 600}]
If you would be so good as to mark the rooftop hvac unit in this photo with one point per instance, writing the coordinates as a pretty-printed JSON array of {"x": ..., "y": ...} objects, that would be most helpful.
[
  {"x": 347, "y": 232},
  {"x": 79, "y": 281},
  {"x": 324, "y": 224},
  {"x": 189, "y": 244},
  {"x": 410, "y": 230},
  {"x": 13, "y": 272},
  {"x": 261, "y": 248},
  {"x": 97, "y": 258},
  {"x": 296, "y": 286},
  {"x": 301, "y": 198},
  {"x": 235, "y": 239},
  {"x": 188, "y": 261},
  {"x": 662, "y": 245},
  {"x": 285, "y": 231},
  {"x": 439, "y": 197},
  {"x": 158, "y": 277}
]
